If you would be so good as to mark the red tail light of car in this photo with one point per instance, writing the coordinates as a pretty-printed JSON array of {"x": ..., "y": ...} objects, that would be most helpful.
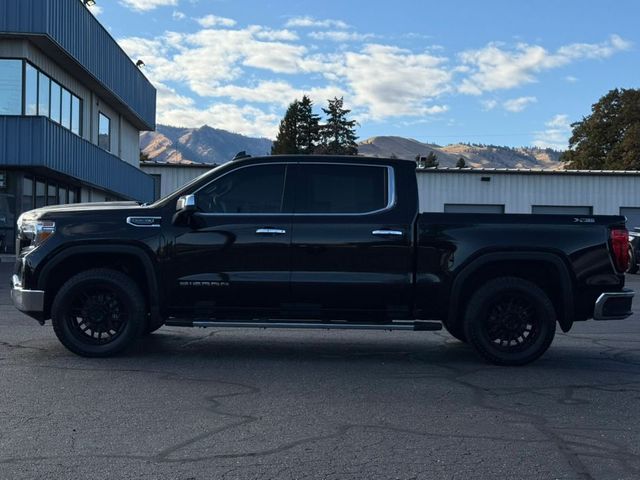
[{"x": 620, "y": 248}]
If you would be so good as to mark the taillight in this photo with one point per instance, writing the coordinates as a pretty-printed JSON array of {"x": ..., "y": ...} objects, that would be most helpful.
[{"x": 620, "y": 248}]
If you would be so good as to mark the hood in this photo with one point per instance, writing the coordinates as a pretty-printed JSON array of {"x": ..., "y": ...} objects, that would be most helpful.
[{"x": 80, "y": 208}]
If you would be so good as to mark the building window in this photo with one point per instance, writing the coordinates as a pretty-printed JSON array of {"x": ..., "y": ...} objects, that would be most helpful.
[
  {"x": 56, "y": 95},
  {"x": 44, "y": 87},
  {"x": 62, "y": 196},
  {"x": 76, "y": 114},
  {"x": 10, "y": 87},
  {"x": 27, "y": 194},
  {"x": 52, "y": 194},
  {"x": 30, "y": 90},
  {"x": 104, "y": 132},
  {"x": 66, "y": 109},
  {"x": 41, "y": 198},
  {"x": 42, "y": 96}
]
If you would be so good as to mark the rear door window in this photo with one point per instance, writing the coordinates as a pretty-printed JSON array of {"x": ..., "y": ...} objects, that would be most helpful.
[{"x": 341, "y": 189}]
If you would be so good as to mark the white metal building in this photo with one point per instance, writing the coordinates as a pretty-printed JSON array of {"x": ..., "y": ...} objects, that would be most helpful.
[
  {"x": 574, "y": 192},
  {"x": 169, "y": 177}
]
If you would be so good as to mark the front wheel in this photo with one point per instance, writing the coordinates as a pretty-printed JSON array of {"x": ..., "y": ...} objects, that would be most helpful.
[
  {"x": 510, "y": 321},
  {"x": 98, "y": 313}
]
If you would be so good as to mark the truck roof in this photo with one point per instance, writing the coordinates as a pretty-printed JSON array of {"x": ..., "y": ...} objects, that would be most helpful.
[{"x": 328, "y": 158}]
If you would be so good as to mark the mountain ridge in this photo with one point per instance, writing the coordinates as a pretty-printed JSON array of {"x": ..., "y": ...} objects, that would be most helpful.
[
  {"x": 198, "y": 145},
  {"x": 210, "y": 145}
]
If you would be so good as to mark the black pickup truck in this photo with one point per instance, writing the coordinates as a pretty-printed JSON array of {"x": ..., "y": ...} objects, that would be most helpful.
[{"x": 316, "y": 242}]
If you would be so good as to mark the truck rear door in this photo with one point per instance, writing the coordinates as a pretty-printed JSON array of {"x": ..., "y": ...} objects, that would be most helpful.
[{"x": 351, "y": 248}]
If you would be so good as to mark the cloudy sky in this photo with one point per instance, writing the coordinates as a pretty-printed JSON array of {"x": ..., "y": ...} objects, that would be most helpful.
[{"x": 502, "y": 72}]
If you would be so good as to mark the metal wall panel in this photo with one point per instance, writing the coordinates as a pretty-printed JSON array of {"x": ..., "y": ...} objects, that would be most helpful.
[
  {"x": 518, "y": 192},
  {"x": 70, "y": 27},
  {"x": 39, "y": 142},
  {"x": 174, "y": 177}
]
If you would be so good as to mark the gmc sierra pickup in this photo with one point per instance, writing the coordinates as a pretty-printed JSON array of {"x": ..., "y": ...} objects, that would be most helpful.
[{"x": 316, "y": 242}]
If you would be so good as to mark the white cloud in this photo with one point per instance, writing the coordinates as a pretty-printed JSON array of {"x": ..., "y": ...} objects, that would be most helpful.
[
  {"x": 341, "y": 36},
  {"x": 388, "y": 81},
  {"x": 146, "y": 5},
  {"x": 264, "y": 33},
  {"x": 246, "y": 120},
  {"x": 555, "y": 135},
  {"x": 518, "y": 104},
  {"x": 209, "y": 74},
  {"x": 178, "y": 15},
  {"x": 494, "y": 67},
  {"x": 571, "y": 79},
  {"x": 214, "y": 21},
  {"x": 275, "y": 92},
  {"x": 310, "y": 22}
]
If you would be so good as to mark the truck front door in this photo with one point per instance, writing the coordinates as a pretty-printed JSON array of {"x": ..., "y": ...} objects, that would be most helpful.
[{"x": 234, "y": 258}]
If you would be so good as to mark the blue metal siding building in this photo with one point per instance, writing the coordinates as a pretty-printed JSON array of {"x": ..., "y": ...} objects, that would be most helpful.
[
  {"x": 70, "y": 34},
  {"x": 60, "y": 151},
  {"x": 72, "y": 105}
]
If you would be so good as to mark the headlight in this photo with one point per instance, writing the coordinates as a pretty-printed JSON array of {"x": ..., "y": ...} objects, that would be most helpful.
[{"x": 36, "y": 231}]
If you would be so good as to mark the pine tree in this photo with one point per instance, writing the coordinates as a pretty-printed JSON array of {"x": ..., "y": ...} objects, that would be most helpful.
[
  {"x": 308, "y": 127},
  {"x": 337, "y": 135},
  {"x": 461, "y": 163},
  {"x": 287, "y": 139},
  {"x": 431, "y": 161}
]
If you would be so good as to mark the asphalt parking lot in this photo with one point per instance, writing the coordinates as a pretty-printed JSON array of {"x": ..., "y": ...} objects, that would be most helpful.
[{"x": 253, "y": 404}]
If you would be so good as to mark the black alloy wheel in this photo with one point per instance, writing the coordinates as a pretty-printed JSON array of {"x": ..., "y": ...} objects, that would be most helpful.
[
  {"x": 510, "y": 321},
  {"x": 98, "y": 313}
]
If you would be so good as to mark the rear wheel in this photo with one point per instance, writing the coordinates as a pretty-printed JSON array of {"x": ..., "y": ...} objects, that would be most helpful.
[
  {"x": 98, "y": 313},
  {"x": 510, "y": 321}
]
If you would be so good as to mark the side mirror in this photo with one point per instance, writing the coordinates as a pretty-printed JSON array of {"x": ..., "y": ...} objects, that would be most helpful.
[
  {"x": 186, "y": 203},
  {"x": 185, "y": 206}
]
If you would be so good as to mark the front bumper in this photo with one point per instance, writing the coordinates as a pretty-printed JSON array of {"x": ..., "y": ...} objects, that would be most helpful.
[
  {"x": 613, "y": 305},
  {"x": 27, "y": 301}
]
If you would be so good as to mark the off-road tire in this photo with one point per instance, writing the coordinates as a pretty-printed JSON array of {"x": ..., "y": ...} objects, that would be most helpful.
[
  {"x": 505, "y": 308},
  {"x": 103, "y": 298}
]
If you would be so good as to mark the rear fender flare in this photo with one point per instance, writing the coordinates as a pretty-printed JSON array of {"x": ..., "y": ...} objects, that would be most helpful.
[{"x": 566, "y": 285}]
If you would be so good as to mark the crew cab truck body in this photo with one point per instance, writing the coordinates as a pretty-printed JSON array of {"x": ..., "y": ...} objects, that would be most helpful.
[{"x": 316, "y": 242}]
